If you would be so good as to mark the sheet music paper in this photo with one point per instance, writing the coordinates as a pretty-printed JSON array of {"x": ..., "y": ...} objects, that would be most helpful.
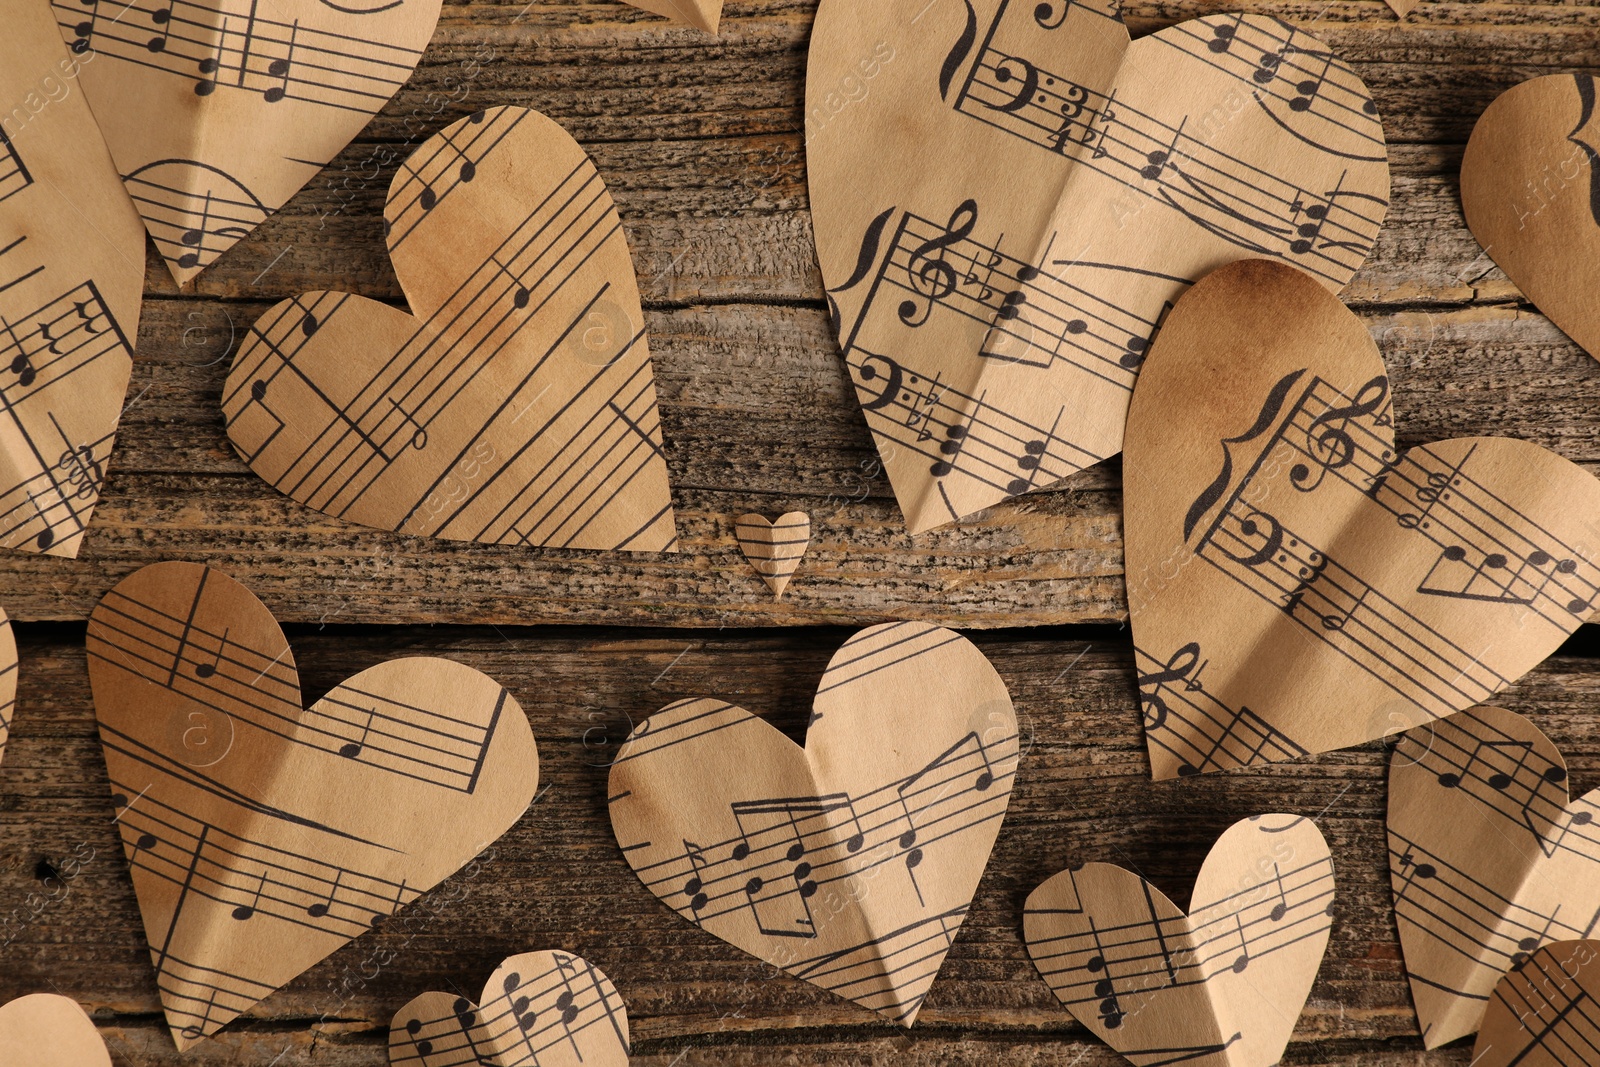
[
  {"x": 1298, "y": 585},
  {"x": 71, "y": 277},
  {"x": 263, "y": 835},
  {"x": 849, "y": 863},
  {"x": 218, "y": 111},
  {"x": 1544, "y": 1012},
  {"x": 702, "y": 14},
  {"x": 1531, "y": 194},
  {"x": 774, "y": 549},
  {"x": 516, "y": 404},
  {"x": 1403, "y": 7},
  {"x": 1488, "y": 860},
  {"x": 1219, "y": 987},
  {"x": 8, "y": 680},
  {"x": 539, "y": 1009},
  {"x": 1008, "y": 200},
  {"x": 46, "y": 1030}
]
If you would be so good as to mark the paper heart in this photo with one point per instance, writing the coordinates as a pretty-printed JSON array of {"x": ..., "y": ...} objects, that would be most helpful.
[
  {"x": 1403, "y": 7},
  {"x": 8, "y": 680},
  {"x": 774, "y": 549},
  {"x": 540, "y": 1009},
  {"x": 1531, "y": 195},
  {"x": 263, "y": 836},
  {"x": 849, "y": 863},
  {"x": 518, "y": 406},
  {"x": 1008, "y": 200},
  {"x": 1545, "y": 1012},
  {"x": 703, "y": 14},
  {"x": 1223, "y": 984},
  {"x": 218, "y": 111},
  {"x": 1295, "y": 584},
  {"x": 1487, "y": 859},
  {"x": 45, "y": 1030}
]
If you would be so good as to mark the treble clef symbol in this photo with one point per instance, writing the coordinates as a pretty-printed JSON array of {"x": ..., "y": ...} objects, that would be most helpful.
[
  {"x": 932, "y": 277},
  {"x": 1182, "y": 666},
  {"x": 1329, "y": 435}
]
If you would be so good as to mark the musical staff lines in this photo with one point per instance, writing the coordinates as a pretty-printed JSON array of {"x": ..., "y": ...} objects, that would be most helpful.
[
  {"x": 14, "y": 176},
  {"x": 1544, "y": 1013},
  {"x": 1198, "y": 731}
]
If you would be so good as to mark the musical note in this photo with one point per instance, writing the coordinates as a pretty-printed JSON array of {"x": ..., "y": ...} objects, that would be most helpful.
[
  {"x": 207, "y": 670},
  {"x": 355, "y": 748},
  {"x": 280, "y": 67},
  {"x": 248, "y": 911},
  {"x": 320, "y": 909}
]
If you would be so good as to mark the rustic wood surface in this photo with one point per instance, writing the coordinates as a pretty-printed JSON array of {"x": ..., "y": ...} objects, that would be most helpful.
[{"x": 702, "y": 142}]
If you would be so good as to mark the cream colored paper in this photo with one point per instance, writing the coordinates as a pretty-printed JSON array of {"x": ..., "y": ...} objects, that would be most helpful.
[
  {"x": 263, "y": 835},
  {"x": 774, "y": 549},
  {"x": 1008, "y": 197},
  {"x": 1531, "y": 195},
  {"x": 539, "y": 1009},
  {"x": 1546, "y": 1012},
  {"x": 1403, "y": 7},
  {"x": 46, "y": 1030},
  {"x": 1487, "y": 859},
  {"x": 702, "y": 14},
  {"x": 218, "y": 111},
  {"x": 8, "y": 680},
  {"x": 71, "y": 275},
  {"x": 1219, "y": 987},
  {"x": 849, "y": 863},
  {"x": 1296, "y": 584},
  {"x": 517, "y": 406}
]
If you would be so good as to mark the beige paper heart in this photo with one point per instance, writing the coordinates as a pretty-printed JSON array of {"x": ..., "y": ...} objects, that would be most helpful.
[
  {"x": 1008, "y": 198},
  {"x": 1531, "y": 195},
  {"x": 1221, "y": 985},
  {"x": 218, "y": 111},
  {"x": 8, "y": 680},
  {"x": 1545, "y": 1012},
  {"x": 45, "y": 1030},
  {"x": 1297, "y": 585},
  {"x": 1487, "y": 859},
  {"x": 851, "y": 862},
  {"x": 518, "y": 406},
  {"x": 774, "y": 549},
  {"x": 1403, "y": 7},
  {"x": 71, "y": 277},
  {"x": 539, "y": 1009},
  {"x": 263, "y": 835},
  {"x": 702, "y": 14}
]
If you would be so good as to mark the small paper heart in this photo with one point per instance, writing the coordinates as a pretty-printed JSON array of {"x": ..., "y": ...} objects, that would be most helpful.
[
  {"x": 540, "y": 1009},
  {"x": 702, "y": 14},
  {"x": 774, "y": 549},
  {"x": 851, "y": 862},
  {"x": 1403, "y": 7},
  {"x": 1223, "y": 984},
  {"x": 45, "y": 1030},
  {"x": 1545, "y": 1012}
]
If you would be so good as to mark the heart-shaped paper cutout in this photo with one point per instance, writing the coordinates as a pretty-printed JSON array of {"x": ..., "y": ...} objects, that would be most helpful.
[
  {"x": 539, "y": 1009},
  {"x": 263, "y": 836},
  {"x": 1296, "y": 585},
  {"x": 1223, "y": 984},
  {"x": 702, "y": 14},
  {"x": 71, "y": 278},
  {"x": 518, "y": 406},
  {"x": 1008, "y": 200},
  {"x": 218, "y": 111},
  {"x": 1531, "y": 194},
  {"x": 8, "y": 680},
  {"x": 46, "y": 1030},
  {"x": 1545, "y": 1012},
  {"x": 1487, "y": 859},
  {"x": 851, "y": 862},
  {"x": 774, "y": 549},
  {"x": 1403, "y": 7}
]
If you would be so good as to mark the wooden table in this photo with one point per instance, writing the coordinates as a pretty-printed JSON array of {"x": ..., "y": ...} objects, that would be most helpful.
[{"x": 701, "y": 140}]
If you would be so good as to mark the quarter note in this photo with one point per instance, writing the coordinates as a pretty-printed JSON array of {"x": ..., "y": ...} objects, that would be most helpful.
[
  {"x": 353, "y": 749},
  {"x": 321, "y": 907},
  {"x": 206, "y": 670},
  {"x": 279, "y": 68},
  {"x": 246, "y": 911},
  {"x": 195, "y": 237}
]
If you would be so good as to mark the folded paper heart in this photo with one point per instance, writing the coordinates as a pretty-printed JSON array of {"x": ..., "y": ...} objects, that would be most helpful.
[
  {"x": 851, "y": 862},
  {"x": 1008, "y": 200},
  {"x": 1531, "y": 195},
  {"x": 8, "y": 680},
  {"x": 1487, "y": 859},
  {"x": 518, "y": 406},
  {"x": 540, "y": 1009},
  {"x": 219, "y": 111},
  {"x": 702, "y": 14},
  {"x": 71, "y": 277},
  {"x": 1545, "y": 1012},
  {"x": 1296, "y": 584},
  {"x": 45, "y": 1030},
  {"x": 774, "y": 549},
  {"x": 263, "y": 835}
]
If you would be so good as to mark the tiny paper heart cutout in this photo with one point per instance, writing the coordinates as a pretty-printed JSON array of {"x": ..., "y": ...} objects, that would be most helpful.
[
  {"x": 1531, "y": 195},
  {"x": 851, "y": 862},
  {"x": 46, "y": 1030},
  {"x": 1297, "y": 585},
  {"x": 263, "y": 835},
  {"x": 518, "y": 406},
  {"x": 774, "y": 549},
  {"x": 539, "y": 1009},
  {"x": 218, "y": 111},
  {"x": 702, "y": 14},
  {"x": 1403, "y": 7},
  {"x": 1008, "y": 200},
  {"x": 1221, "y": 985},
  {"x": 1545, "y": 1012},
  {"x": 1487, "y": 859}
]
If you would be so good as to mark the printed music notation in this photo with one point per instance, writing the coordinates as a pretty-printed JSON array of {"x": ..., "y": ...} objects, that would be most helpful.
[
  {"x": 1544, "y": 1013},
  {"x": 14, "y": 176},
  {"x": 1193, "y": 727}
]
